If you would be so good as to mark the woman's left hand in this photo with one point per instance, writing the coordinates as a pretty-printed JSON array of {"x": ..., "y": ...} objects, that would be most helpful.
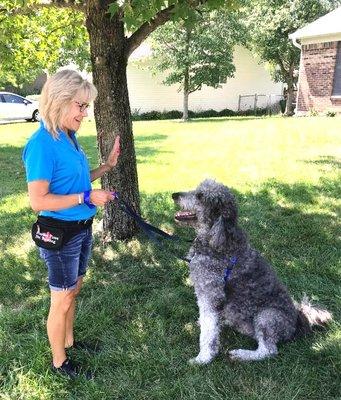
[{"x": 114, "y": 154}]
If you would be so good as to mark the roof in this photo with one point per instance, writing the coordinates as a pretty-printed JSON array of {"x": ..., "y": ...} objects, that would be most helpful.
[{"x": 329, "y": 24}]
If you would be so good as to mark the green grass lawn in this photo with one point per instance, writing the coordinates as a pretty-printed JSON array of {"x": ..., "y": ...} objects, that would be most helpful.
[{"x": 137, "y": 298}]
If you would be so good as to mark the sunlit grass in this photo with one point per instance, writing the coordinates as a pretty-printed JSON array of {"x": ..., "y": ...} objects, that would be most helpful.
[{"x": 137, "y": 298}]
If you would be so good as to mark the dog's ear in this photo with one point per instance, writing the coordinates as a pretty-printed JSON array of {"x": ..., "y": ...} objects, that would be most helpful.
[
  {"x": 224, "y": 234},
  {"x": 218, "y": 235}
]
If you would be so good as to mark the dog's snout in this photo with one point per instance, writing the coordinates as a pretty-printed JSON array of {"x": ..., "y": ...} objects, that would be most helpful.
[{"x": 175, "y": 196}]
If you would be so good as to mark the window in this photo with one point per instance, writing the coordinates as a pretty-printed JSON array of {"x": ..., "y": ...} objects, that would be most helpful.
[
  {"x": 11, "y": 98},
  {"x": 2, "y": 100},
  {"x": 337, "y": 73}
]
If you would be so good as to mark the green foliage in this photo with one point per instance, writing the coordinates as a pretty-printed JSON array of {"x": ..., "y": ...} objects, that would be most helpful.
[
  {"x": 36, "y": 37},
  {"x": 270, "y": 22},
  {"x": 175, "y": 114},
  {"x": 134, "y": 14},
  {"x": 40, "y": 40},
  {"x": 330, "y": 113},
  {"x": 313, "y": 112},
  {"x": 202, "y": 48}
]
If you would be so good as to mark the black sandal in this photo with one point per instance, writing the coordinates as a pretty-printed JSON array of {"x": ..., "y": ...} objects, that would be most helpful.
[{"x": 71, "y": 370}]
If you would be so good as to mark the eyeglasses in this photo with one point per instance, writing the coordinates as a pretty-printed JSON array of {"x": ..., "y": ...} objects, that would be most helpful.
[{"x": 82, "y": 106}]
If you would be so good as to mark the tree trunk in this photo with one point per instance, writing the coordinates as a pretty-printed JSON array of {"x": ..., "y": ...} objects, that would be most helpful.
[
  {"x": 186, "y": 74},
  {"x": 289, "y": 109},
  {"x": 186, "y": 94},
  {"x": 112, "y": 113}
]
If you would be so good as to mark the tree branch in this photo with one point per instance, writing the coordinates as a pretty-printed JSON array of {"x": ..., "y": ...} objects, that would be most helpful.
[
  {"x": 195, "y": 89},
  {"x": 281, "y": 65},
  {"x": 134, "y": 41},
  {"x": 169, "y": 46}
]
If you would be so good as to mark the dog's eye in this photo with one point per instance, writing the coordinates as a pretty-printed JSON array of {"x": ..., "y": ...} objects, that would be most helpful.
[{"x": 199, "y": 195}]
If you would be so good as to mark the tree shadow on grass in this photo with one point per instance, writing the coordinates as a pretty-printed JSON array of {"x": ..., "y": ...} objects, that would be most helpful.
[
  {"x": 274, "y": 217},
  {"x": 12, "y": 174},
  {"x": 136, "y": 298},
  {"x": 149, "y": 284},
  {"x": 325, "y": 160},
  {"x": 146, "y": 147},
  {"x": 302, "y": 245}
]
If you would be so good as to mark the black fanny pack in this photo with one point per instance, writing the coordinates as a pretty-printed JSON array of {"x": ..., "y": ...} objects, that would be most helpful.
[{"x": 52, "y": 233}]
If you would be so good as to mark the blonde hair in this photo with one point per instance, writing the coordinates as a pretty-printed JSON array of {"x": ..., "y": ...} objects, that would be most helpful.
[{"x": 57, "y": 94}]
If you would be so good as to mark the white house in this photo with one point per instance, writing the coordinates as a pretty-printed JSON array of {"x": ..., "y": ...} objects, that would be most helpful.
[{"x": 146, "y": 91}]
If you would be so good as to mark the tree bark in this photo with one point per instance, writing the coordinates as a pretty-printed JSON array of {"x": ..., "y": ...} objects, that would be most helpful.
[
  {"x": 186, "y": 94},
  {"x": 112, "y": 113},
  {"x": 289, "y": 109},
  {"x": 186, "y": 76}
]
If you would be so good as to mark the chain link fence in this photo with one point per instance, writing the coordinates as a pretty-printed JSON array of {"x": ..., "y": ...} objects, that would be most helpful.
[{"x": 252, "y": 102}]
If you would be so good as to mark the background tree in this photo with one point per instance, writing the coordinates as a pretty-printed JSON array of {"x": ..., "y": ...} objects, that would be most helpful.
[
  {"x": 269, "y": 23},
  {"x": 41, "y": 40},
  {"x": 196, "y": 54},
  {"x": 116, "y": 29}
]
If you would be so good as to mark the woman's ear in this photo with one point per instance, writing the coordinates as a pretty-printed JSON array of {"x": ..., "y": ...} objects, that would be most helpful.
[{"x": 218, "y": 234}]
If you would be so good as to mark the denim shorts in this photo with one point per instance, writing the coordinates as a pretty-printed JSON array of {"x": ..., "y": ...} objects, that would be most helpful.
[{"x": 69, "y": 263}]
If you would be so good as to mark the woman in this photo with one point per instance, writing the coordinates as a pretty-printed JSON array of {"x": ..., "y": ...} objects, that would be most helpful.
[{"x": 59, "y": 188}]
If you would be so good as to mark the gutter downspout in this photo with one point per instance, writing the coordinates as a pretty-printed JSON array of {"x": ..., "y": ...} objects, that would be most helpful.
[{"x": 295, "y": 42}]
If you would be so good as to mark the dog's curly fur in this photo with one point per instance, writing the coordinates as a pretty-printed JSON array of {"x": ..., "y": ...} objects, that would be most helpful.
[{"x": 252, "y": 300}]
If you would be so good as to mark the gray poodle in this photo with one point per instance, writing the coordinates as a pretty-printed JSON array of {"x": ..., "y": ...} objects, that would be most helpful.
[{"x": 233, "y": 283}]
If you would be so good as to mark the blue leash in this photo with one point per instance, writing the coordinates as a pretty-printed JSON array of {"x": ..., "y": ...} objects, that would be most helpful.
[
  {"x": 155, "y": 234},
  {"x": 151, "y": 231}
]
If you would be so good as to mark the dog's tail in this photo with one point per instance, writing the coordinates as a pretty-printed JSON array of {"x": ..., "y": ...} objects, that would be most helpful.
[{"x": 309, "y": 315}]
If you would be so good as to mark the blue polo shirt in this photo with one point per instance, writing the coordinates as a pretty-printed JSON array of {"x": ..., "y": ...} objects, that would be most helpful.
[{"x": 63, "y": 165}]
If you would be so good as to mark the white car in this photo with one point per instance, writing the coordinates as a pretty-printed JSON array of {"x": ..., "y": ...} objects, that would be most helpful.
[{"x": 13, "y": 106}]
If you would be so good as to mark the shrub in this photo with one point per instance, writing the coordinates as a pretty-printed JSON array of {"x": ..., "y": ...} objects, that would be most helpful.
[
  {"x": 251, "y": 112},
  {"x": 173, "y": 114},
  {"x": 313, "y": 112},
  {"x": 330, "y": 113},
  {"x": 282, "y": 104},
  {"x": 226, "y": 113},
  {"x": 147, "y": 116},
  {"x": 206, "y": 114},
  {"x": 136, "y": 115}
]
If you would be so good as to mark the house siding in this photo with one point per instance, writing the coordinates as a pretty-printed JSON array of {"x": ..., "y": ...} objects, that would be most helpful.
[
  {"x": 147, "y": 92},
  {"x": 316, "y": 78}
]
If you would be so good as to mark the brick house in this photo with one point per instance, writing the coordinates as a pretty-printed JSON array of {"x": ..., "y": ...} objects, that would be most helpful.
[{"x": 319, "y": 81}]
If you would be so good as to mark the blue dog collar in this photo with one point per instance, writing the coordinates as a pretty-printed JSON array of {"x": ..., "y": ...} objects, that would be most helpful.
[{"x": 227, "y": 271}]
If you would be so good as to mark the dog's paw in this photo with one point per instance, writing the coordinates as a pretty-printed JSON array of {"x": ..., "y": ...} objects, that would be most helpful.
[
  {"x": 238, "y": 355},
  {"x": 200, "y": 360}
]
